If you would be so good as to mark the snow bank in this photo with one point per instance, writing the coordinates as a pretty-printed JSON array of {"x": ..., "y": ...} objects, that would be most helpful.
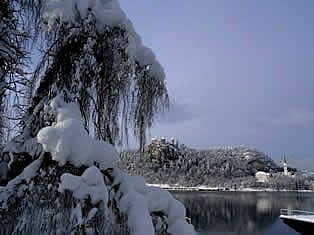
[
  {"x": 107, "y": 12},
  {"x": 67, "y": 140},
  {"x": 139, "y": 200},
  {"x": 90, "y": 184}
]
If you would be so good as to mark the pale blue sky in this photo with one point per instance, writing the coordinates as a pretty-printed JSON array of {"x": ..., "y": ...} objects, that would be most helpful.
[{"x": 239, "y": 72}]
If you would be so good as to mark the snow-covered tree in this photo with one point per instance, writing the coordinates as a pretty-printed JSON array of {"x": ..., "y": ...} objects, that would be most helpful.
[
  {"x": 95, "y": 58},
  {"x": 75, "y": 187},
  {"x": 94, "y": 78}
]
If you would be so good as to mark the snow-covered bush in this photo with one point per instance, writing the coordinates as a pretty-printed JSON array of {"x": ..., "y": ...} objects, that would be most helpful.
[{"x": 89, "y": 176}]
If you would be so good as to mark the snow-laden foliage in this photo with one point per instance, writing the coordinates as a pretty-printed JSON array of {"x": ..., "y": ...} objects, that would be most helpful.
[
  {"x": 85, "y": 189},
  {"x": 12, "y": 189},
  {"x": 58, "y": 180},
  {"x": 89, "y": 185},
  {"x": 107, "y": 13},
  {"x": 165, "y": 163},
  {"x": 94, "y": 56},
  {"x": 67, "y": 140},
  {"x": 139, "y": 200}
]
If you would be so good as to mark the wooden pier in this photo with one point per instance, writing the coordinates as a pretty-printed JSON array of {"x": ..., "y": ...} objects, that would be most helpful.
[{"x": 301, "y": 221}]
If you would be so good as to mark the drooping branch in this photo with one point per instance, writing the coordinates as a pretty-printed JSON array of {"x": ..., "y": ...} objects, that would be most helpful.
[
  {"x": 94, "y": 69},
  {"x": 13, "y": 59}
]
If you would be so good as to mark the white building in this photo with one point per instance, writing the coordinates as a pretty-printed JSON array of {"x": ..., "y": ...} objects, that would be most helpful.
[{"x": 262, "y": 177}]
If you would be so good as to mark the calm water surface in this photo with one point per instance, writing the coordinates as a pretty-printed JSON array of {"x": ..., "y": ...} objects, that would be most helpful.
[{"x": 241, "y": 213}]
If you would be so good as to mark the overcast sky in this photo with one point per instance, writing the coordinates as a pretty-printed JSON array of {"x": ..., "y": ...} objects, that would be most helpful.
[{"x": 238, "y": 72}]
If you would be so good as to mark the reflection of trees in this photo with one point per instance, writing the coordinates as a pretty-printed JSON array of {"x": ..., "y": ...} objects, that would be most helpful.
[{"x": 239, "y": 212}]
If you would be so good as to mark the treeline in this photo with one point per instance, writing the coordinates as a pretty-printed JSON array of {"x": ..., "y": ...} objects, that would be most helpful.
[{"x": 228, "y": 168}]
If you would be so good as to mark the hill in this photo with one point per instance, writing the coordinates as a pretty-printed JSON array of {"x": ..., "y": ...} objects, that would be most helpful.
[{"x": 164, "y": 162}]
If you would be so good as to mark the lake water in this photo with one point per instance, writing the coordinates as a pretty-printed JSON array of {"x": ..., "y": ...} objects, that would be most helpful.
[{"x": 241, "y": 213}]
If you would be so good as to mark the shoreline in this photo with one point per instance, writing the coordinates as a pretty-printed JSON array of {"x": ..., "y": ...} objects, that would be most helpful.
[{"x": 177, "y": 188}]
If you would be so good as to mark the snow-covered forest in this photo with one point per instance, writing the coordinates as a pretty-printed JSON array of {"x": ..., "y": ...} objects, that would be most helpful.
[
  {"x": 225, "y": 167},
  {"x": 91, "y": 85}
]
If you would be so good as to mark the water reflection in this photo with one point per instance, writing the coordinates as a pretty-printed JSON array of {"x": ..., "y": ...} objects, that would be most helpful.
[{"x": 242, "y": 213}]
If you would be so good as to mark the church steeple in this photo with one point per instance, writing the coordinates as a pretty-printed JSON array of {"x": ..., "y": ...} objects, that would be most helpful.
[{"x": 285, "y": 166}]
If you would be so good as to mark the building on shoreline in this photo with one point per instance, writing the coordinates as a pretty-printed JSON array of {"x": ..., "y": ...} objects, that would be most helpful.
[{"x": 262, "y": 177}]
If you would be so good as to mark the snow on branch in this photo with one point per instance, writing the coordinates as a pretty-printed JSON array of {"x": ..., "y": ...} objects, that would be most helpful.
[
  {"x": 107, "y": 13},
  {"x": 139, "y": 200},
  {"x": 90, "y": 184},
  {"x": 67, "y": 140}
]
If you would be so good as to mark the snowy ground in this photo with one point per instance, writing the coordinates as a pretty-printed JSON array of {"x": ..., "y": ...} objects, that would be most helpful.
[{"x": 206, "y": 188}]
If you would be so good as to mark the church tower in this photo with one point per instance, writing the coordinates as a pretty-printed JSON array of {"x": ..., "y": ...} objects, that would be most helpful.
[{"x": 285, "y": 166}]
